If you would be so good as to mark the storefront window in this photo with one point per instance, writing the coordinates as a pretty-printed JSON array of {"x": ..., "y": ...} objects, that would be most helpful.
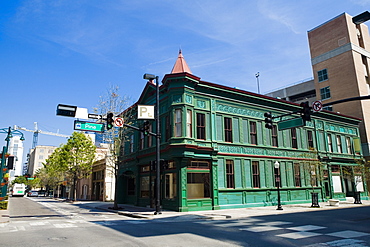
[
  {"x": 144, "y": 186},
  {"x": 198, "y": 185},
  {"x": 170, "y": 185}
]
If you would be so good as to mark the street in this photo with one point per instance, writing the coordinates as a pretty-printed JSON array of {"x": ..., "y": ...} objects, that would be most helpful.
[{"x": 47, "y": 222}]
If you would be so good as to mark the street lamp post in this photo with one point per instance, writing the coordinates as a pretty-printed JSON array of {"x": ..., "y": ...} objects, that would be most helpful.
[
  {"x": 258, "y": 81},
  {"x": 9, "y": 134},
  {"x": 158, "y": 139},
  {"x": 277, "y": 181}
]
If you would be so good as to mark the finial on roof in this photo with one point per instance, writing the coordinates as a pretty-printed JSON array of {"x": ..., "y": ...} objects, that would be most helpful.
[{"x": 180, "y": 66}]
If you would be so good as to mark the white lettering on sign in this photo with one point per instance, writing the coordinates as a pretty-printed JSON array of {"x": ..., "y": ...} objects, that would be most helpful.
[
  {"x": 90, "y": 126},
  {"x": 145, "y": 112}
]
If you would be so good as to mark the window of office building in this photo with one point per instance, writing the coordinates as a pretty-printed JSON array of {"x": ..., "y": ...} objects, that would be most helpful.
[
  {"x": 323, "y": 75},
  {"x": 325, "y": 93},
  {"x": 189, "y": 121},
  {"x": 230, "y": 174},
  {"x": 253, "y": 132},
  {"x": 349, "y": 145},
  {"x": 297, "y": 175},
  {"x": 339, "y": 144},
  {"x": 274, "y": 135},
  {"x": 310, "y": 139},
  {"x": 256, "y": 174},
  {"x": 178, "y": 122},
  {"x": 228, "y": 129},
  {"x": 201, "y": 126},
  {"x": 330, "y": 143},
  {"x": 293, "y": 133}
]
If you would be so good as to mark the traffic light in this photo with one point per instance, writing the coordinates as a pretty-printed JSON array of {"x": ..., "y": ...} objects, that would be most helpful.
[
  {"x": 306, "y": 111},
  {"x": 109, "y": 120},
  {"x": 10, "y": 164},
  {"x": 146, "y": 128},
  {"x": 268, "y": 120}
]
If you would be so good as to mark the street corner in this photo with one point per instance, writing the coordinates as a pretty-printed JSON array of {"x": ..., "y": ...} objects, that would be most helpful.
[{"x": 4, "y": 216}]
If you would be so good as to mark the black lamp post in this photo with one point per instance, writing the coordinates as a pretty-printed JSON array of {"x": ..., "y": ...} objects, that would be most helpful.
[
  {"x": 158, "y": 138},
  {"x": 277, "y": 181},
  {"x": 9, "y": 134}
]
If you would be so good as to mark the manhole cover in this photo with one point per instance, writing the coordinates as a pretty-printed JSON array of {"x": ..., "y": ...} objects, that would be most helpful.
[{"x": 57, "y": 238}]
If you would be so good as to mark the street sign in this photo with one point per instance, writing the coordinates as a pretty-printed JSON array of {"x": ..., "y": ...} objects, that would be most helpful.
[
  {"x": 88, "y": 126},
  {"x": 72, "y": 111},
  {"x": 118, "y": 122},
  {"x": 317, "y": 106},
  {"x": 66, "y": 110},
  {"x": 95, "y": 116},
  {"x": 145, "y": 112},
  {"x": 290, "y": 123}
]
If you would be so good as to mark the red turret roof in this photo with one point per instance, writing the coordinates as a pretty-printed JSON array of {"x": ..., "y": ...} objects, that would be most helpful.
[{"x": 180, "y": 66}]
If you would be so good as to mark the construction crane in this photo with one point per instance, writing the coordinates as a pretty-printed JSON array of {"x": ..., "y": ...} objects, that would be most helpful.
[{"x": 36, "y": 132}]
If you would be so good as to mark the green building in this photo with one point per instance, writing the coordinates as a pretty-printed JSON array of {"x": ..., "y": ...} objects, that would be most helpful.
[{"x": 218, "y": 154}]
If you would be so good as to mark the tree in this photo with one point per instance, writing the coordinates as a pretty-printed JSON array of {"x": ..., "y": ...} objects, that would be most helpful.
[
  {"x": 52, "y": 174},
  {"x": 77, "y": 157},
  {"x": 114, "y": 138}
]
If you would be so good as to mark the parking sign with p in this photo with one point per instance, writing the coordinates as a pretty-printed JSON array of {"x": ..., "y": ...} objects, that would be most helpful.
[{"x": 145, "y": 112}]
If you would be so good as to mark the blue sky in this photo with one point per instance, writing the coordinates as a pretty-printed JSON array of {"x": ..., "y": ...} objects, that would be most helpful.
[{"x": 72, "y": 51}]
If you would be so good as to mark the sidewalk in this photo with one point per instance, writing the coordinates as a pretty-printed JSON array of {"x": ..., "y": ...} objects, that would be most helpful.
[{"x": 148, "y": 213}]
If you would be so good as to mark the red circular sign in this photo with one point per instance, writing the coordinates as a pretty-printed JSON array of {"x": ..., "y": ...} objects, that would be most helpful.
[
  {"x": 317, "y": 106},
  {"x": 118, "y": 122}
]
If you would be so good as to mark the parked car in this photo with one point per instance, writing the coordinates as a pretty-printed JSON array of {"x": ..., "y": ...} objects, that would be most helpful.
[{"x": 33, "y": 193}]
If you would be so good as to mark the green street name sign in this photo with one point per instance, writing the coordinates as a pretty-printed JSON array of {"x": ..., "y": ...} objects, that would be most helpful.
[
  {"x": 88, "y": 126},
  {"x": 290, "y": 123}
]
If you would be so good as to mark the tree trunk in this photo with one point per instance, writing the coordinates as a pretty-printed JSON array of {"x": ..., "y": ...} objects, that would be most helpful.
[{"x": 74, "y": 188}]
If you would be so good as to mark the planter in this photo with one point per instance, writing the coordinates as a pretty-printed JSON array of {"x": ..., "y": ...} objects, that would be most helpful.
[
  {"x": 315, "y": 200},
  {"x": 333, "y": 202}
]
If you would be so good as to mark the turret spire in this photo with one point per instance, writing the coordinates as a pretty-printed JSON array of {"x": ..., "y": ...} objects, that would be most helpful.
[{"x": 180, "y": 66}]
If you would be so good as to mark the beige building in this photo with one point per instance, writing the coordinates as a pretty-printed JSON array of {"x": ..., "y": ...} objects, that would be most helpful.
[
  {"x": 38, "y": 156},
  {"x": 100, "y": 186},
  {"x": 340, "y": 52}
]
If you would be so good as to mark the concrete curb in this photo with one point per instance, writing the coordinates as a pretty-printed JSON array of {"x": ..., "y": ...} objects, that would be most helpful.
[{"x": 4, "y": 216}]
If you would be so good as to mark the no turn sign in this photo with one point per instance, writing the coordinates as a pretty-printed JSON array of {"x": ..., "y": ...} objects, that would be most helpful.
[
  {"x": 317, "y": 106},
  {"x": 118, "y": 122}
]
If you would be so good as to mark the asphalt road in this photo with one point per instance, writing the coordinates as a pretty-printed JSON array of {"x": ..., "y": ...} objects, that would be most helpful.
[{"x": 40, "y": 222}]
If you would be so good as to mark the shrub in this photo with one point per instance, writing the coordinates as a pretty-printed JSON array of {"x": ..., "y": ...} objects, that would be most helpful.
[{"x": 3, "y": 205}]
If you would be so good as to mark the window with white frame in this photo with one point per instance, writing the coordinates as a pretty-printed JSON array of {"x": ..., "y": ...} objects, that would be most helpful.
[
  {"x": 349, "y": 145},
  {"x": 330, "y": 144},
  {"x": 178, "y": 122},
  {"x": 339, "y": 144},
  {"x": 189, "y": 121}
]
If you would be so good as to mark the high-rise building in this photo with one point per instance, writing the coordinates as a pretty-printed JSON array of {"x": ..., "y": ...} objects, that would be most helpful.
[
  {"x": 340, "y": 52},
  {"x": 16, "y": 149}
]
